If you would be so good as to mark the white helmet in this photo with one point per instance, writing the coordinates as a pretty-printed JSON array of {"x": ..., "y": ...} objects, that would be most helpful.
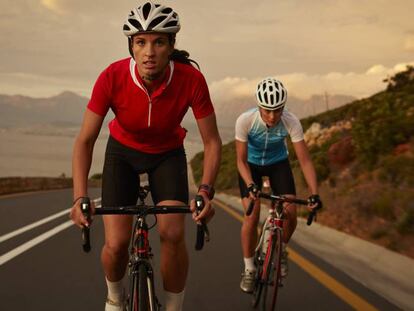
[
  {"x": 271, "y": 94},
  {"x": 151, "y": 17}
]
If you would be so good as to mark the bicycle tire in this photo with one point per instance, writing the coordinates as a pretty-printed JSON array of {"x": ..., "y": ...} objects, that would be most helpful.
[
  {"x": 272, "y": 260},
  {"x": 258, "y": 284},
  {"x": 140, "y": 300}
]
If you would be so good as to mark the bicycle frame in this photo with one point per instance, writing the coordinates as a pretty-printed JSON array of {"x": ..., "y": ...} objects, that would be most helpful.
[
  {"x": 268, "y": 252},
  {"x": 142, "y": 293},
  {"x": 140, "y": 254}
]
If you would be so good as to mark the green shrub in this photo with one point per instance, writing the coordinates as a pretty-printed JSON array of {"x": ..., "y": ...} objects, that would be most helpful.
[
  {"x": 379, "y": 233},
  {"x": 383, "y": 122},
  {"x": 227, "y": 177},
  {"x": 405, "y": 223},
  {"x": 197, "y": 167},
  {"x": 382, "y": 206},
  {"x": 97, "y": 176},
  {"x": 397, "y": 170}
]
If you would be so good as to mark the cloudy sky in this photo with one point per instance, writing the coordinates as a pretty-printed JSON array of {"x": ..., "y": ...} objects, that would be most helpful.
[{"x": 341, "y": 47}]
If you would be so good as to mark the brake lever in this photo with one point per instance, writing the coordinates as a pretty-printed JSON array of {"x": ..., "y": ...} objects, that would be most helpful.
[{"x": 85, "y": 206}]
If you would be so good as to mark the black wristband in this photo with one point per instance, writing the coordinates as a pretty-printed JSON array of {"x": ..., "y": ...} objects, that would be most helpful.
[
  {"x": 315, "y": 199},
  {"x": 78, "y": 198},
  {"x": 253, "y": 188},
  {"x": 209, "y": 190}
]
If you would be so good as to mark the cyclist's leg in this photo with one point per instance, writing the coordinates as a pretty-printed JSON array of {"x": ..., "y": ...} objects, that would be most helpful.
[
  {"x": 249, "y": 226},
  {"x": 282, "y": 183},
  {"x": 119, "y": 187},
  {"x": 169, "y": 186},
  {"x": 249, "y": 232},
  {"x": 174, "y": 257}
]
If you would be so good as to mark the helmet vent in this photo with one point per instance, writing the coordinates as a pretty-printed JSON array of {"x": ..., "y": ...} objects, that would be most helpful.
[
  {"x": 156, "y": 21},
  {"x": 135, "y": 23},
  {"x": 146, "y": 9},
  {"x": 167, "y": 11},
  {"x": 170, "y": 24},
  {"x": 260, "y": 97}
]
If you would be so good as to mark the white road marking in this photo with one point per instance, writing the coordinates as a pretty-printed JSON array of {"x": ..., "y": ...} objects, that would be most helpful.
[
  {"x": 33, "y": 225},
  {"x": 28, "y": 245}
]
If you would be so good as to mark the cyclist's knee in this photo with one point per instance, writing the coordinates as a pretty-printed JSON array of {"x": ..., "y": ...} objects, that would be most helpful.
[
  {"x": 172, "y": 235},
  {"x": 290, "y": 211},
  {"x": 117, "y": 248}
]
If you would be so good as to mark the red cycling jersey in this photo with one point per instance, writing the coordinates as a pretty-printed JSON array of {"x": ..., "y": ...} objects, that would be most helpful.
[{"x": 150, "y": 123}]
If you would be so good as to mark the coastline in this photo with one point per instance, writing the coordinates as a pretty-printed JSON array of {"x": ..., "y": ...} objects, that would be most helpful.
[{"x": 13, "y": 185}]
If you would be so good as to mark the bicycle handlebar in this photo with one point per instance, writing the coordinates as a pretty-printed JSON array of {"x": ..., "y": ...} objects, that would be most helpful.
[
  {"x": 202, "y": 229},
  {"x": 282, "y": 199},
  {"x": 142, "y": 209},
  {"x": 85, "y": 206}
]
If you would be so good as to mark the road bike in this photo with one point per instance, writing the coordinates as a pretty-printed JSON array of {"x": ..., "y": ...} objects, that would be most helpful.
[
  {"x": 142, "y": 295},
  {"x": 268, "y": 252}
]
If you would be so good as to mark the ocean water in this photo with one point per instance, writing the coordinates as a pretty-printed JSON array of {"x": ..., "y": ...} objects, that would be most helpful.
[{"x": 48, "y": 153}]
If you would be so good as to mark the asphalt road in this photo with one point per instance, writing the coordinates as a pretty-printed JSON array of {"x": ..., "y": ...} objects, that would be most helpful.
[{"x": 54, "y": 273}]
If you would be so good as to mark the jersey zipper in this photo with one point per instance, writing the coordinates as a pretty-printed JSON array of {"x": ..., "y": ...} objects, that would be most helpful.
[
  {"x": 149, "y": 111},
  {"x": 265, "y": 147},
  {"x": 132, "y": 65},
  {"x": 149, "y": 105}
]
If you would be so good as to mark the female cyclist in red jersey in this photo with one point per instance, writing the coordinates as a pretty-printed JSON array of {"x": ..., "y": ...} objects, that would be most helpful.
[{"x": 149, "y": 93}]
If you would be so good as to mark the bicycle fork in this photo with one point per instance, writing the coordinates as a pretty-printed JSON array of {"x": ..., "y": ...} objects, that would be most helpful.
[
  {"x": 141, "y": 256},
  {"x": 268, "y": 241}
]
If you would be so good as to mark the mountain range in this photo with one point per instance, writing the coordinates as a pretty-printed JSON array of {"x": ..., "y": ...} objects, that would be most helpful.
[{"x": 66, "y": 109}]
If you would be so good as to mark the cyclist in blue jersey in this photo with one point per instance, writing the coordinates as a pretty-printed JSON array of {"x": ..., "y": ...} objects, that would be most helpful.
[{"x": 261, "y": 149}]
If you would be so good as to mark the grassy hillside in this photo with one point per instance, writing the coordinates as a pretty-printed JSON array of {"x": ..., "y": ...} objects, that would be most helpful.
[{"x": 364, "y": 156}]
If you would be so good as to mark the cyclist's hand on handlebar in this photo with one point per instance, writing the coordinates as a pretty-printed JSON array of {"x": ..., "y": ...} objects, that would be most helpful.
[
  {"x": 207, "y": 212},
  {"x": 253, "y": 191},
  {"x": 314, "y": 202},
  {"x": 77, "y": 216}
]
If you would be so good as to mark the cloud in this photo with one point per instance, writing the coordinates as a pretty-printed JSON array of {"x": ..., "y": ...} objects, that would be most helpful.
[
  {"x": 35, "y": 85},
  {"x": 376, "y": 69},
  {"x": 409, "y": 43},
  {"x": 303, "y": 85},
  {"x": 53, "y": 6}
]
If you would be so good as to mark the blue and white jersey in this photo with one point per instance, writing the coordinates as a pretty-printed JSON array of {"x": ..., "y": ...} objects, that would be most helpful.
[{"x": 266, "y": 145}]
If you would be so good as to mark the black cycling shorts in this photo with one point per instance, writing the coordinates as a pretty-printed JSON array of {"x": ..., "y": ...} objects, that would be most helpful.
[
  {"x": 167, "y": 175},
  {"x": 280, "y": 178}
]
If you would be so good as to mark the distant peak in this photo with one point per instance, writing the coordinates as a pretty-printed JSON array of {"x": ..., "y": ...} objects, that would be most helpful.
[{"x": 67, "y": 94}]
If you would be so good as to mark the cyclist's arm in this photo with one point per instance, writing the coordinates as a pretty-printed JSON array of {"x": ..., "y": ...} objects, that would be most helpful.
[
  {"x": 242, "y": 165},
  {"x": 306, "y": 165},
  {"x": 82, "y": 158},
  {"x": 212, "y": 148},
  {"x": 212, "y": 155}
]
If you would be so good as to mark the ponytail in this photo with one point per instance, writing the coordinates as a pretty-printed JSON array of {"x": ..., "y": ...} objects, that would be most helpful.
[{"x": 182, "y": 56}]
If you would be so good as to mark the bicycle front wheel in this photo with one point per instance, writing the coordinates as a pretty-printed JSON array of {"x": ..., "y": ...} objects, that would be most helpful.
[
  {"x": 271, "y": 268},
  {"x": 140, "y": 291},
  {"x": 258, "y": 282}
]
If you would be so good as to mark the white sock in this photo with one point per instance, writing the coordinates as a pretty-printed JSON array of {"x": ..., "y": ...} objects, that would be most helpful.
[
  {"x": 174, "y": 301},
  {"x": 249, "y": 264},
  {"x": 115, "y": 290}
]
